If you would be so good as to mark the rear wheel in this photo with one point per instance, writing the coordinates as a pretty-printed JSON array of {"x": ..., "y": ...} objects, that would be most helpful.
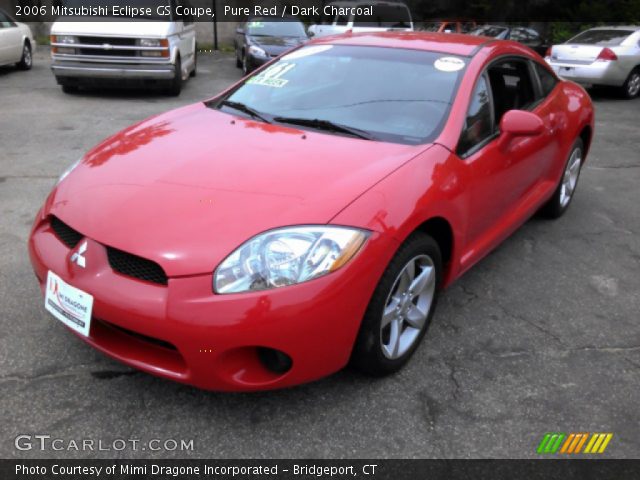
[
  {"x": 631, "y": 87},
  {"x": 26, "y": 62},
  {"x": 400, "y": 309},
  {"x": 563, "y": 195}
]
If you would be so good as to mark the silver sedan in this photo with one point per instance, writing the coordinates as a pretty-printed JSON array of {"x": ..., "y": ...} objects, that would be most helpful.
[
  {"x": 16, "y": 42},
  {"x": 601, "y": 56}
]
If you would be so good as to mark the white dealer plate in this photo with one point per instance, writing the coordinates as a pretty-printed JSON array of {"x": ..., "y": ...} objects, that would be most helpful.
[{"x": 68, "y": 304}]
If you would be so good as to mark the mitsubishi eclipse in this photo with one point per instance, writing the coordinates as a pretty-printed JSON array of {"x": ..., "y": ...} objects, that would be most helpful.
[{"x": 308, "y": 217}]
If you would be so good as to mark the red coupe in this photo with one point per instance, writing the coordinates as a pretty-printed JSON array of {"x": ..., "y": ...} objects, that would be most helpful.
[{"x": 308, "y": 216}]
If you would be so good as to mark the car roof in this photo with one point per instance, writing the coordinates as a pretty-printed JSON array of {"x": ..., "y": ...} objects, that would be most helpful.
[
  {"x": 450, "y": 43},
  {"x": 617, "y": 27}
]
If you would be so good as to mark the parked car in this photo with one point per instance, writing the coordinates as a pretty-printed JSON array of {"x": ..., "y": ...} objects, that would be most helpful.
[
  {"x": 525, "y": 35},
  {"x": 260, "y": 39},
  {"x": 387, "y": 15},
  {"x": 601, "y": 56},
  {"x": 16, "y": 42},
  {"x": 309, "y": 215},
  {"x": 158, "y": 54},
  {"x": 450, "y": 26}
]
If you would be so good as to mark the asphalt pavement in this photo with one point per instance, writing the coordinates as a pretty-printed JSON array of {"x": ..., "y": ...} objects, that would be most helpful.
[{"x": 541, "y": 336}]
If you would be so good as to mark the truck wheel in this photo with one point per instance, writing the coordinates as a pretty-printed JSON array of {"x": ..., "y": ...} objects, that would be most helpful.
[
  {"x": 194, "y": 72},
  {"x": 26, "y": 62},
  {"x": 175, "y": 87},
  {"x": 69, "y": 89}
]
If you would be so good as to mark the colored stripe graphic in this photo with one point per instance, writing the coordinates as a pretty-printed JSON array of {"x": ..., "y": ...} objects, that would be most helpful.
[
  {"x": 551, "y": 442},
  {"x": 572, "y": 443}
]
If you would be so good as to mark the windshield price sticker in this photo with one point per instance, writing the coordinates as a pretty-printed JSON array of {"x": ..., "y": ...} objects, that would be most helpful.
[
  {"x": 272, "y": 76},
  {"x": 449, "y": 64}
]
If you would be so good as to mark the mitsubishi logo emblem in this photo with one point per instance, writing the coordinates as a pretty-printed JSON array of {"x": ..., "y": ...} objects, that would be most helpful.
[{"x": 78, "y": 257}]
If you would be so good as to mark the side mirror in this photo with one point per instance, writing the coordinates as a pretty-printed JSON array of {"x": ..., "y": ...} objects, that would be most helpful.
[{"x": 519, "y": 123}]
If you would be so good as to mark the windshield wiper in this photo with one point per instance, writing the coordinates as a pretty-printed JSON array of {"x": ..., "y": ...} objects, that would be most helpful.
[
  {"x": 241, "y": 107},
  {"x": 326, "y": 125}
]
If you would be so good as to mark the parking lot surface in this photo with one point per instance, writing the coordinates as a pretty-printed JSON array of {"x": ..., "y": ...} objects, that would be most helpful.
[{"x": 541, "y": 336}]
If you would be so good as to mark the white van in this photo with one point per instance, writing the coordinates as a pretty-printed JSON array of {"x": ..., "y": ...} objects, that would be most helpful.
[
  {"x": 147, "y": 52},
  {"x": 351, "y": 16}
]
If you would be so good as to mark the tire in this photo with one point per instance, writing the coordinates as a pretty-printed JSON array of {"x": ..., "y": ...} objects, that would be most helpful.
[
  {"x": 631, "y": 87},
  {"x": 377, "y": 350},
  {"x": 562, "y": 197},
  {"x": 26, "y": 62},
  {"x": 245, "y": 66},
  {"x": 238, "y": 61},
  {"x": 69, "y": 89},
  {"x": 194, "y": 72},
  {"x": 175, "y": 86}
]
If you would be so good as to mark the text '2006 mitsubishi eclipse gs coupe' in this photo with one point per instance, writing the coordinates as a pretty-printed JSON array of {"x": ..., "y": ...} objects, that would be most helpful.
[{"x": 307, "y": 217}]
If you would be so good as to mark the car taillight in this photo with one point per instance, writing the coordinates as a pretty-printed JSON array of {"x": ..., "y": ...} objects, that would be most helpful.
[{"x": 607, "y": 54}]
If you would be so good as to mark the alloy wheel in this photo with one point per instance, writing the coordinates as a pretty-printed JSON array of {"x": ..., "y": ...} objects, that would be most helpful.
[
  {"x": 407, "y": 306},
  {"x": 26, "y": 55},
  {"x": 570, "y": 177},
  {"x": 633, "y": 87}
]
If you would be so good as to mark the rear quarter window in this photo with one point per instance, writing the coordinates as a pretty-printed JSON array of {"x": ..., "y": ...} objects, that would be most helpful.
[{"x": 547, "y": 81}]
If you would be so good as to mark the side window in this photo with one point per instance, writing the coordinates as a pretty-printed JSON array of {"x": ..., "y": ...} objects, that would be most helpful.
[
  {"x": 478, "y": 125},
  {"x": 547, "y": 80},
  {"x": 341, "y": 20},
  {"x": 511, "y": 87},
  {"x": 4, "y": 20}
]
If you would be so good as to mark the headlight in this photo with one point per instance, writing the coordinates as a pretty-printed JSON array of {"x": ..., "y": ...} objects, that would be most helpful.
[
  {"x": 149, "y": 42},
  {"x": 69, "y": 169},
  {"x": 66, "y": 39},
  {"x": 257, "y": 51},
  {"x": 287, "y": 256}
]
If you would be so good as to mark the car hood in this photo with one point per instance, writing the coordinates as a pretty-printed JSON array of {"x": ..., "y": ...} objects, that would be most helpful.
[
  {"x": 276, "y": 45},
  {"x": 186, "y": 188}
]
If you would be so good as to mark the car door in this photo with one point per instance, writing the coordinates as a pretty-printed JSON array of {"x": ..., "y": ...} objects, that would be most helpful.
[
  {"x": 10, "y": 40},
  {"x": 503, "y": 175}
]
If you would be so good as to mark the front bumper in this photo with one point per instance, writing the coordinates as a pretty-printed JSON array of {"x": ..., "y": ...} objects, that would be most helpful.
[
  {"x": 609, "y": 73},
  {"x": 112, "y": 71},
  {"x": 184, "y": 332}
]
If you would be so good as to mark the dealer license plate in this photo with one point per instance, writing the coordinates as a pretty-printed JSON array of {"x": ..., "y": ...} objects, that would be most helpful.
[{"x": 68, "y": 304}]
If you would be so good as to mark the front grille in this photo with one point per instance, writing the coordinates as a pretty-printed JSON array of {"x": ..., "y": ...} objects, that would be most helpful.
[
  {"x": 65, "y": 233},
  {"x": 129, "y": 42},
  {"x": 108, "y": 53},
  {"x": 154, "y": 341},
  {"x": 137, "y": 267}
]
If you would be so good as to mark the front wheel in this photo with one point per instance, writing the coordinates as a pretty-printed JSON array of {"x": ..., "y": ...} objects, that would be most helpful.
[
  {"x": 400, "y": 309},
  {"x": 175, "y": 86},
  {"x": 631, "y": 87},
  {"x": 26, "y": 62},
  {"x": 563, "y": 195}
]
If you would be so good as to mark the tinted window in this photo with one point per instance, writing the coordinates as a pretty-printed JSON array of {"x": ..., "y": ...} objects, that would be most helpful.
[
  {"x": 5, "y": 22},
  {"x": 396, "y": 95},
  {"x": 547, "y": 80},
  {"x": 390, "y": 16},
  {"x": 511, "y": 87},
  {"x": 601, "y": 37},
  {"x": 478, "y": 125},
  {"x": 490, "y": 31},
  {"x": 269, "y": 28}
]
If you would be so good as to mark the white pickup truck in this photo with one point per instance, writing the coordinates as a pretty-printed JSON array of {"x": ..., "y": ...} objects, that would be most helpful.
[
  {"x": 353, "y": 16},
  {"x": 148, "y": 52}
]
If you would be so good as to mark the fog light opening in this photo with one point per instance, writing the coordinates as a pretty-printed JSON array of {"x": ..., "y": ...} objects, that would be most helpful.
[{"x": 274, "y": 360}]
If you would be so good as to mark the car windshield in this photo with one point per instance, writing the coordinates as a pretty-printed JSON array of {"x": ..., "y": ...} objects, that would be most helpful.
[
  {"x": 283, "y": 28},
  {"x": 603, "y": 38},
  {"x": 489, "y": 31},
  {"x": 154, "y": 5},
  {"x": 395, "y": 95}
]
